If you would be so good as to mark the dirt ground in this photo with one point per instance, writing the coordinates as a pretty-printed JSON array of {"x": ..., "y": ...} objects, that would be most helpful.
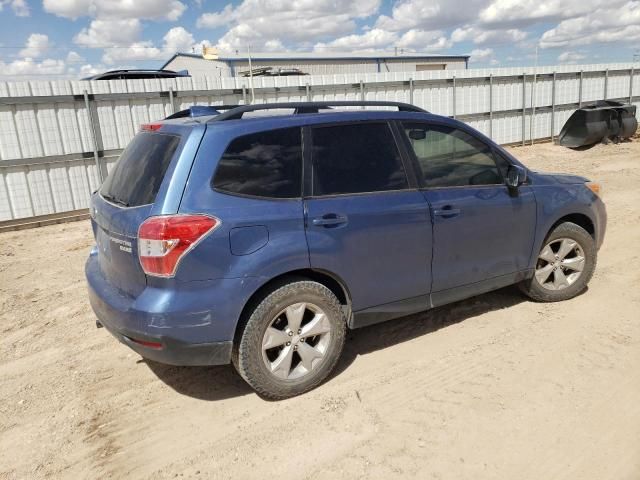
[{"x": 495, "y": 387}]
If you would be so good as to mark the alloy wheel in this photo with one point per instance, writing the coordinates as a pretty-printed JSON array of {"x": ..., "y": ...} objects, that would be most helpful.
[
  {"x": 296, "y": 341},
  {"x": 560, "y": 264}
]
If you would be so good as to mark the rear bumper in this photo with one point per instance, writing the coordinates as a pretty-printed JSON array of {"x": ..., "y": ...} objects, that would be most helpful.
[
  {"x": 174, "y": 352},
  {"x": 187, "y": 324}
]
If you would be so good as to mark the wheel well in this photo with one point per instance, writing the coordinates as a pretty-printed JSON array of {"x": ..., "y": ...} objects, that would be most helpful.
[
  {"x": 579, "y": 219},
  {"x": 336, "y": 286}
]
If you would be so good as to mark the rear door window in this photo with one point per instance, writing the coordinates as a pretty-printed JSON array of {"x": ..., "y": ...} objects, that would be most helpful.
[
  {"x": 138, "y": 174},
  {"x": 356, "y": 158},
  {"x": 265, "y": 164}
]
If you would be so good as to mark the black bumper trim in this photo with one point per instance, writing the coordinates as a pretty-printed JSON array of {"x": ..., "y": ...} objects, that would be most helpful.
[{"x": 175, "y": 352}]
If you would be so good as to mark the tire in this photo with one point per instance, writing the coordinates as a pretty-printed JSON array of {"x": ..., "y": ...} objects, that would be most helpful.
[
  {"x": 552, "y": 288},
  {"x": 265, "y": 369}
]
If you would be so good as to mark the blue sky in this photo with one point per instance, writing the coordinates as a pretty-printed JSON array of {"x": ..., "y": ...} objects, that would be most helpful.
[{"x": 75, "y": 38}]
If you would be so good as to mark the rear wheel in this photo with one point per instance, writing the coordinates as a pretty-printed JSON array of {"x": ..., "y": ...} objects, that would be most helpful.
[
  {"x": 292, "y": 340},
  {"x": 565, "y": 265}
]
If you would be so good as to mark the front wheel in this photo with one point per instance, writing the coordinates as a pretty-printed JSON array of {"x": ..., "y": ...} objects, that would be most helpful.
[
  {"x": 565, "y": 265},
  {"x": 292, "y": 340}
]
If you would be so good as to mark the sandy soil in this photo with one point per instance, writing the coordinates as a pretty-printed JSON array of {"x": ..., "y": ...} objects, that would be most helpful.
[{"x": 492, "y": 387}]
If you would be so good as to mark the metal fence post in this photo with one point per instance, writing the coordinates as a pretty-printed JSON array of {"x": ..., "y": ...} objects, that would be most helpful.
[
  {"x": 12, "y": 211},
  {"x": 533, "y": 108},
  {"x": 244, "y": 94},
  {"x": 171, "y": 101},
  {"x": 308, "y": 89},
  {"x": 524, "y": 107},
  {"x": 362, "y": 92},
  {"x": 631, "y": 86},
  {"x": 454, "y": 97},
  {"x": 95, "y": 135},
  {"x": 553, "y": 106},
  {"x": 580, "y": 90},
  {"x": 32, "y": 207},
  {"x": 491, "y": 106},
  {"x": 411, "y": 91},
  {"x": 606, "y": 82}
]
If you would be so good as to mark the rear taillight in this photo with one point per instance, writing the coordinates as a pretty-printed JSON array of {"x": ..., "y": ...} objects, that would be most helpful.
[
  {"x": 150, "y": 127},
  {"x": 164, "y": 240}
]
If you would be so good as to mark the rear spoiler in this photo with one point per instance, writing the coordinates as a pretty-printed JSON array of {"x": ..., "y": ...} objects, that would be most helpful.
[{"x": 200, "y": 111}]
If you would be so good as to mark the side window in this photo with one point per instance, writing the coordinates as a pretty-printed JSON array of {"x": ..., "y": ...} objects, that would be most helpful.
[
  {"x": 356, "y": 159},
  {"x": 449, "y": 157},
  {"x": 265, "y": 164}
]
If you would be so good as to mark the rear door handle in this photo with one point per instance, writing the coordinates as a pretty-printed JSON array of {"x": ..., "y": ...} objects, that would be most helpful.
[
  {"x": 447, "y": 212},
  {"x": 330, "y": 220}
]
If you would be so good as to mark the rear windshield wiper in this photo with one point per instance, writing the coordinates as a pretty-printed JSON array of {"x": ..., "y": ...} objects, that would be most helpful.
[{"x": 113, "y": 199}]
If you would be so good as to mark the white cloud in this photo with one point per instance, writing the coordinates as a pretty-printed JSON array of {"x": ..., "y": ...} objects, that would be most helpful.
[
  {"x": 29, "y": 68},
  {"x": 374, "y": 39},
  {"x": 261, "y": 23},
  {"x": 481, "y": 55},
  {"x": 74, "y": 58},
  {"x": 20, "y": 7},
  {"x": 378, "y": 39},
  {"x": 117, "y": 9},
  {"x": 274, "y": 46},
  {"x": 138, "y": 51},
  {"x": 603, "y": 25},
  {"x": 429, "y": 15},
  {"x": 109, "y": 33},
  {"x": 424, "y": 41},
  {"x": 37, "y": 46},
  {"x": 480, "y": 36},
  {"x": 530, "y": 11},
  {"x": 176, "y": 40},
  {"x": 216, "y": 19},
  {"x": 571, "y": 57},
  {"x": 89, "y": 70}
]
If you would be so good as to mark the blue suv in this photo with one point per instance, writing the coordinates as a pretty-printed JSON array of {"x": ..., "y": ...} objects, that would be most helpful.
[{"x": 237, "y": 235}]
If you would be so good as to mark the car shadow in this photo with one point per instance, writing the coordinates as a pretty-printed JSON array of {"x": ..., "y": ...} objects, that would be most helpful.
[
  {"x": 222, "y": 382},
  {"x": 377, "y": 337},
  {"x": 204, "y": 383}
]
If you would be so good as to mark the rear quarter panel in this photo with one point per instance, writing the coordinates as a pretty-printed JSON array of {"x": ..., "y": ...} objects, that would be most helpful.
[{"x": 244, "y": 220}]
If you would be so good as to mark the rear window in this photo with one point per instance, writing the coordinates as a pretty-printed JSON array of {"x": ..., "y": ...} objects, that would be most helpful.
[
  {"x": 137, "y": 176},
  {"x": 266, "y": 164}
]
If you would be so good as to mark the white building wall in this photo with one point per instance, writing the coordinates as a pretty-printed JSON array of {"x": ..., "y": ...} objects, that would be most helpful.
[
  {"x": 199, "y": 66},
  {"x": 217, "y": 68}
]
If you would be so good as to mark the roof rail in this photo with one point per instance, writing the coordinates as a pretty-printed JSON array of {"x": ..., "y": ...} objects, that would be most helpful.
[{"x": 311, "y": 107}]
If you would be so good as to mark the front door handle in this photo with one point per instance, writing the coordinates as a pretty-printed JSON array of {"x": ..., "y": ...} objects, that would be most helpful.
[
  {"x": 330, "y": 220},
  {"x": 447, "y": 212}
]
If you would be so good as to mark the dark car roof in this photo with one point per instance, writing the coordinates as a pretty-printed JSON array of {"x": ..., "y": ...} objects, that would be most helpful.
[{"x": 133, "y": 74}]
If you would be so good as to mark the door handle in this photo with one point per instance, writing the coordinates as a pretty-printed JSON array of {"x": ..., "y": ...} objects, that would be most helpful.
[
  {"x": 447, "y": 212},
  {"x": 330, "y": 220}
]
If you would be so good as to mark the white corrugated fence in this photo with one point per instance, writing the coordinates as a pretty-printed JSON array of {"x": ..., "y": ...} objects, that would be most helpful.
[{"x": 58, "y": 139}]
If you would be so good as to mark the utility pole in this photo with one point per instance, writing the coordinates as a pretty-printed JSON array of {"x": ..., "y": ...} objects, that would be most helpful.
[{"x": 253, "y": 97}]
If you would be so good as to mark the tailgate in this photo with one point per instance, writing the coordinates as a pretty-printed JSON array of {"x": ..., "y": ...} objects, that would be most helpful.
[
  {"x": 115, "y": 230},
  {"x": 135, "y": 190}
]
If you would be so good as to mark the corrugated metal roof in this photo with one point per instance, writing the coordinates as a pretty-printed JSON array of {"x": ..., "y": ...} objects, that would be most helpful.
[{"x": 270, "y": 56}]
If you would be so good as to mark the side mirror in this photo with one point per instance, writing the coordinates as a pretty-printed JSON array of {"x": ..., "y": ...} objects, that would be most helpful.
[
  {"x": 416, "y": 134},
  {"x": 516, "y": 176}
]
